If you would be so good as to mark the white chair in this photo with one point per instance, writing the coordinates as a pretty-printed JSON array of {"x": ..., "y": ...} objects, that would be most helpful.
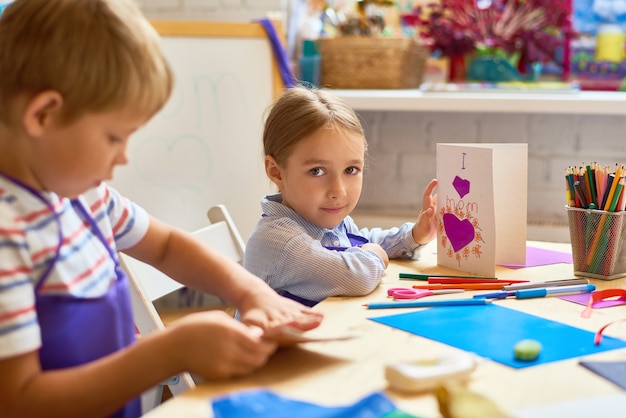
[{"x": 148, "y": 285}]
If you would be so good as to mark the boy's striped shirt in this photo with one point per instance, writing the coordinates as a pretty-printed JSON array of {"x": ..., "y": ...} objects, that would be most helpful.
[{"x": 29, "y": 240}]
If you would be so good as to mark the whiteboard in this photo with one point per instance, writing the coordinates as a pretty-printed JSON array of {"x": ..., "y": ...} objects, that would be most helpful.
[{"x": 205, "y": 146}]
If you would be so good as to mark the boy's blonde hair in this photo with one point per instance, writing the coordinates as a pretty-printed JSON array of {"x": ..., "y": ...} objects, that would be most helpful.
[
  {"x": 301, "y": 111},
  {"x": 99, "y": 55}
]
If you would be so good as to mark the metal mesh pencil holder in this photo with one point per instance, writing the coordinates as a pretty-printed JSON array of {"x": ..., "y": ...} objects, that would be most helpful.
[{"x": 598, "y": 243}]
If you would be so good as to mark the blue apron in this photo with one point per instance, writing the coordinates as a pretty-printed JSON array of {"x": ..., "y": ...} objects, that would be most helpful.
[
  {"x": 76, "y": 331},
  {"x": 355, "y": 241}
]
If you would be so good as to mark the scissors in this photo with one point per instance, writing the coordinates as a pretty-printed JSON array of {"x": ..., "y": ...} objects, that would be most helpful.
[{"x": 408, "y": 293}]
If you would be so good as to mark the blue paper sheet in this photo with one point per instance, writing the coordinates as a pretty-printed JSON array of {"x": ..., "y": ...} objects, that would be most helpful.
[
  {"x": 491, "y": 331},
  {"x": 263, "y": 403}
]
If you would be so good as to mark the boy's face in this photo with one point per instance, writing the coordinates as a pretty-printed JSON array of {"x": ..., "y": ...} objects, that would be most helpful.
[
  {"x": 323, "y": 176},
  {"x": 73, "y": 158}
]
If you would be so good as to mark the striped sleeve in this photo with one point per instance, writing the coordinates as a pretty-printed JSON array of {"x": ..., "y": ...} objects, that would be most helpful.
[
  {"x": 287, "y": 258},
  {"x": 397, "y": 242},
  {"x": 19, "y": 332}
]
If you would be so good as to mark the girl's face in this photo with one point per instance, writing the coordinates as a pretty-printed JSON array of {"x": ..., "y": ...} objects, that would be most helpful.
[{"x": 322, "y": 178}]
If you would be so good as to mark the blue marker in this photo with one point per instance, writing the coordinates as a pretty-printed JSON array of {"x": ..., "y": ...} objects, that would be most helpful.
[
  {"x": 495, "y": 295},
  {"x": 554, "y": 291},
  {"x": 538, "y": 293}
]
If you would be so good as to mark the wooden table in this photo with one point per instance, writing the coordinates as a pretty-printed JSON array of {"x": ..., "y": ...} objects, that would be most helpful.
[{"x": 342, "y": 372}]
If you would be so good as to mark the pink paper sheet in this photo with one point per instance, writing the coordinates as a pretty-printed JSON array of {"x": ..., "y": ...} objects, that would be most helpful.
[
  {"x": 541, "y": 257},
  {"x": 583, "y": 299}
]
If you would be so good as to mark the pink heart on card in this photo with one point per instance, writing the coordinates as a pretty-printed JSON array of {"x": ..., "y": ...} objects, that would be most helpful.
[
  {"x": 461, "y": 186},
  {"x": 459, "y": 232}
]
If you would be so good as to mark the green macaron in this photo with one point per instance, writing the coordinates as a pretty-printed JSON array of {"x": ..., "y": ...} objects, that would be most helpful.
[{"x": 527, "y": 350}]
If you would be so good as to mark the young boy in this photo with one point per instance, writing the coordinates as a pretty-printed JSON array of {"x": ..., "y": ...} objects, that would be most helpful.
[{"x": 77, "y": 78}]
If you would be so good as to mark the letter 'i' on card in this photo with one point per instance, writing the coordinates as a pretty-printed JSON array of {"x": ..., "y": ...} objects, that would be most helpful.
[{"x": 481, "y": 196}]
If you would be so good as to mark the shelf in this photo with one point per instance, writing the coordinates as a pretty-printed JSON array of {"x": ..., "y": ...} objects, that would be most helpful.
[{"x": 414, "y": 100}]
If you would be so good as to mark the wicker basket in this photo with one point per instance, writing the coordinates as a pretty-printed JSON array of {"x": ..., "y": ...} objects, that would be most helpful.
[{"x": 372, "y": 63}]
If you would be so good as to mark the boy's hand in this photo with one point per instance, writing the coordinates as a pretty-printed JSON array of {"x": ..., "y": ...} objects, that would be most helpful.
[
  {"x": 425, "y": 229},
  {"x": 215, "y": 345},
  {"x": 267, "y": 310}
]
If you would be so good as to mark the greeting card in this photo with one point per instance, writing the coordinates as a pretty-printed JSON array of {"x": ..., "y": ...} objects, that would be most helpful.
[{"x": 481, "y": 194}]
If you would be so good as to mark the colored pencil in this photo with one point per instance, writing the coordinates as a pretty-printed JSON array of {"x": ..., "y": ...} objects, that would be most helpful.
[
  {"x": 464, "y": 286},
  {"x": 581, "y": 195},
  {"x": 413, "y": 276},
  {"x": 591, "y": 188},
  {"x": 455, "y": 280},
  {"x": 594, "y": 187}
]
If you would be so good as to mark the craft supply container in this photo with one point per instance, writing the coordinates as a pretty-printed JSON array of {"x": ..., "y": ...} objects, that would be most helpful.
[{"x": 598, "y": 243}]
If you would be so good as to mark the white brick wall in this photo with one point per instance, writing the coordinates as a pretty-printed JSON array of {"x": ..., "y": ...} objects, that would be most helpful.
[
  {"x": 402, "y": 144},
  {"x": 402, "y": 153}
]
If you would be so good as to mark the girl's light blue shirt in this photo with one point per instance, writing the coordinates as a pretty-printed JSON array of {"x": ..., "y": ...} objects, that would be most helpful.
[{"x": 289, "y": 253}]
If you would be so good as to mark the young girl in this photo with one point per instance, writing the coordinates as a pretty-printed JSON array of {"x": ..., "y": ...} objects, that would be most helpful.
[{"x": 306, "y": 246}]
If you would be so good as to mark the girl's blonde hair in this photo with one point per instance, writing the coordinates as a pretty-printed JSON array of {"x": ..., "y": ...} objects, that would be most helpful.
[
  {"x": 98, "y": 54},
  {"x": 301, "y": 111}
]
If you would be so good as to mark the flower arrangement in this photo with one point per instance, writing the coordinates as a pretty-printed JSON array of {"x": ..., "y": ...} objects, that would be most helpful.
[{"x": 526, "y": 30}]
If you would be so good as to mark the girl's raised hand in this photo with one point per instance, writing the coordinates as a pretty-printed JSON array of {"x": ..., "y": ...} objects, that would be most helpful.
[{"x": 425, "y": 229}]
